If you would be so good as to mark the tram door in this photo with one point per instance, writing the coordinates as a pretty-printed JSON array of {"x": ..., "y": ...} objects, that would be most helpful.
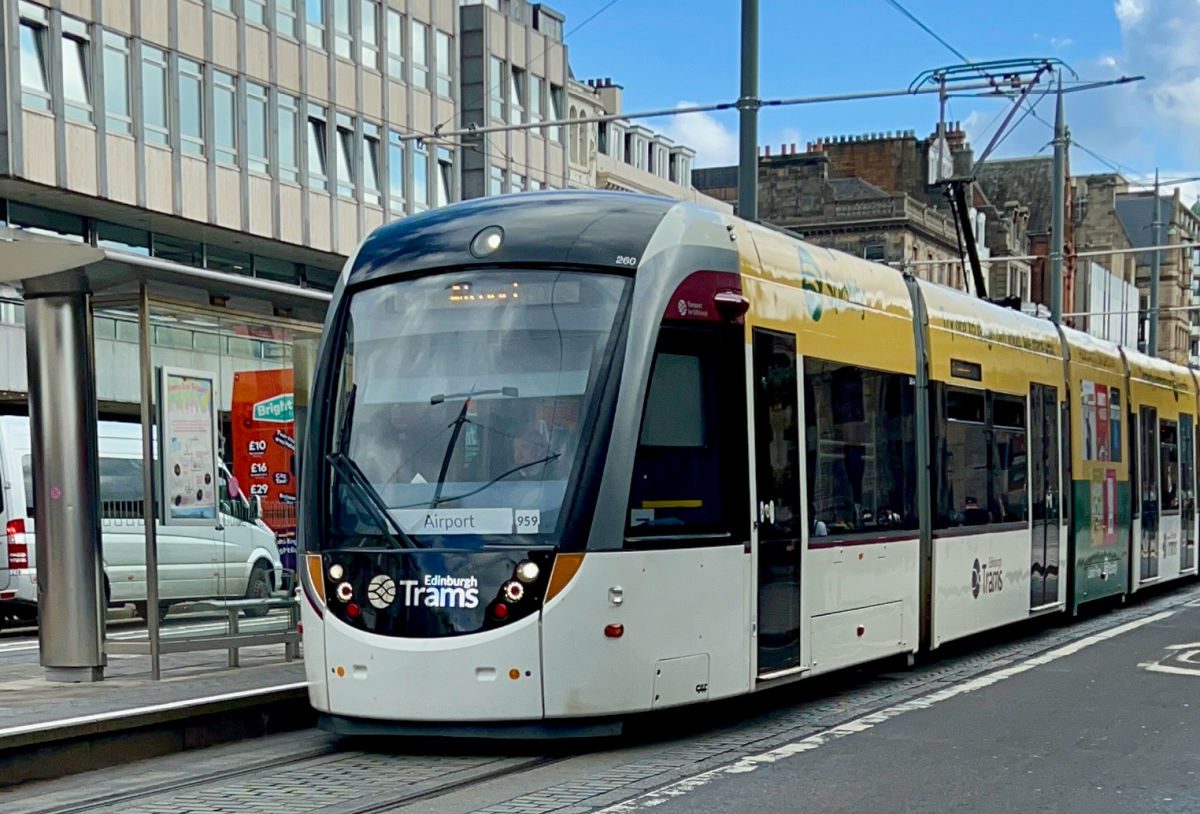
[
  {"x": 1148, "y": 466},
  {"x": 1187, "y": 492},
  {"x": 1046, "y": 495},
  {"x": 778, "y": 517}
]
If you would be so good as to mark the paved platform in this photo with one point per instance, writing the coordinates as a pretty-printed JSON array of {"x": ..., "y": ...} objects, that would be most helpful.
[{"x": 197, "y": 691}]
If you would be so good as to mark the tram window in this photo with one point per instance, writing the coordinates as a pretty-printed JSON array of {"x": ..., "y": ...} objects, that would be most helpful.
[
  {"x": 1168, "y": 439},
  {"x": 1149, "y": 463},
  {"x": 1010, "y": 461},
  {"x": 861, "y": 449},
  {"x": 689, "y": 477},
  {"x": 1134, "y": 464},
  {"x": 963, "y": 460},
  {"x": 1114, "y": 424}
]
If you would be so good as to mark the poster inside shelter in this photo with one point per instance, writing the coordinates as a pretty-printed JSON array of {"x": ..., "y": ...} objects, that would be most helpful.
[{"x": 189, "y": 447}]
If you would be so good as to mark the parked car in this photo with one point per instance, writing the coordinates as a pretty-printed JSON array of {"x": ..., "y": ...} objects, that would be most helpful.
[{"x": 234, "y": 557}]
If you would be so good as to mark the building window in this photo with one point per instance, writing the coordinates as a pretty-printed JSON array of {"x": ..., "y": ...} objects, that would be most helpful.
[
  {"x": 257, "y": 124},
  {"x": 288, "y": 134},
  {"x": 556, "y": 109},
  {"x": 369, "y": 33},
  {"x": 318, "y": 177},
  {"x": 536, "y": 86},
  {"x": 47, "y": 221},
  {"x": 516, "y": 97},
  {"x": 518, "y": 183},
  {"x": 442, "y": 62},
  {"x": 314, "y": 15},
  {"x": 35, "y": 65},
  {"x": 122, "y": 238},
  {"x": 223, "y": 5},
  {"x": 345, "y": 156},
  {"x": 255, "y": 11},
  {"x": 76, "y": 70},
  {"x": 225, "y": 117},
  {"x": 445, "y": 175},
  {"x": 154, "y": 95},
  {"x": 286, "y": 18},
  {"x": 191, "y": 107},
  {"x": 534, "y": 185},
  {"x": 116, "y": 84},
  {"x": 342, "y": 40},
  {"x": 573, "y": 143},
  {"x": 395, "y": 44},
  {"x": 396, "y": 172},
  {"x": 874, "y": 251},
  {"x": 230, "y": 261},
  {"x": 496, "y": 181},
  {"x": 176, "y": 250},
  {"x": 420, "y": 192},
  {"x": 370, "y": 144},
  {"x": 420, "y": 54},
  {"x": 496, "y": 88},
  {"x": 281, "y": 271}
]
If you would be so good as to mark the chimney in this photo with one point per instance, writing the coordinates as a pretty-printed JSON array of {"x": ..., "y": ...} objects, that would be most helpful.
[
  {"x": 793, "y": 148},
  {"x": 768, "y": 151}
]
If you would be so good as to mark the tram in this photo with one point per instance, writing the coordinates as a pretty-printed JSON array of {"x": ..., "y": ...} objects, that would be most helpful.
[{"x": 573, "y": 456}]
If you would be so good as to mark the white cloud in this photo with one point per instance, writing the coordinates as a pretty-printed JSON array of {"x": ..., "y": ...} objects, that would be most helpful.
[
  {"x": 715, "y": 144},
  {"x": 1129, "y": 11},
  {"x": 1061, "y": 42},
  {"x": 1108, "y": 61},
  {"x": 1159, "y": 38}
]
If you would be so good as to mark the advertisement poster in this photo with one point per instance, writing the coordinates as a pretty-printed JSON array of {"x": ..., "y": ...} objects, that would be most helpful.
[
  {"x": 263, "y": 435},
  {"x": 1087, "y": 398},
  {"x": 188, "y": 418},
  {"x": 1102, "y": 443}
]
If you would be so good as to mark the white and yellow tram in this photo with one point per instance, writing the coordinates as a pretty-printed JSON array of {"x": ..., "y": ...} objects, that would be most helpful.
[{"x": 577, "y": 455}]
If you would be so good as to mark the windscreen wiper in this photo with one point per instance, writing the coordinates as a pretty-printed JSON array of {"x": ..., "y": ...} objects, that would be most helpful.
[
  {"x": 369, "y": 499},
  {"x": 491, "y": 483},
  {"x": 457, "y": 424}
]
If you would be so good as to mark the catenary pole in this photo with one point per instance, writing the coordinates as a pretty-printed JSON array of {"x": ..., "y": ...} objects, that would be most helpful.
[{"x": 748, "y": 105}]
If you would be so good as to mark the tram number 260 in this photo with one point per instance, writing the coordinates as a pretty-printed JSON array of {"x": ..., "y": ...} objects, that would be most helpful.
[{"x": 626, "y": 260}]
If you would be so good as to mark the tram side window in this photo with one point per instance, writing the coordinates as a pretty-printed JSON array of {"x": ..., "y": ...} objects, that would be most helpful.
[
  {"x": 981, "y": 459},
  {"x": 689, "y": 474},
  {"x": 1149, "y": 463},
  {"x": 1010, "y": 461},
  {"x": 1135, "y": 463},
  {"x": 861, "y": 449},
  {"x": 1168, "y": 435}
]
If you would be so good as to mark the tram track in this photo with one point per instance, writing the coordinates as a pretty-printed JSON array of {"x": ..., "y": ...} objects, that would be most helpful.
[
  {"x": 324, "y": 758},
  {"x": 170, "y": 787}
]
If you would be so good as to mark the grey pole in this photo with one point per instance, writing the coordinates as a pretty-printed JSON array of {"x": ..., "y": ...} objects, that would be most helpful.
[
  {"x": 1155, "y": 269},
  {"x": 149, "y": 509},
  {"x": 1057, "y": 228},
  {"x": 65, "y": 452},
  {"x": 748, "y": 104}
]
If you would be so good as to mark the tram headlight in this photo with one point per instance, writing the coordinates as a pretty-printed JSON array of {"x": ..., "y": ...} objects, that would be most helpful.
[
  {"x": 528, "y": 571},
  {"x": 487, "y": 242},
  {"x": 336, "y": 572},
  {"x": 345, "y": 591},
  {"x": 513, "y": 591}
]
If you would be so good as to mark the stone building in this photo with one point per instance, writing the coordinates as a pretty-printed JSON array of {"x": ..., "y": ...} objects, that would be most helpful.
[{"x": 876, "y": 196}]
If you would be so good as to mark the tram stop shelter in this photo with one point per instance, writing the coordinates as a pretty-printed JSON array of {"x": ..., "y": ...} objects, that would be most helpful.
[{"x": 166, "y": 411}]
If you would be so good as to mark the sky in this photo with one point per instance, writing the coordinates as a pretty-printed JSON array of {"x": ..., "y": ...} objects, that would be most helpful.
[{"x": 667, "y": 53}]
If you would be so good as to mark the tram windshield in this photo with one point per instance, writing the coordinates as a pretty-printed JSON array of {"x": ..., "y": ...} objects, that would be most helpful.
[{"x": 463, "y": 403}]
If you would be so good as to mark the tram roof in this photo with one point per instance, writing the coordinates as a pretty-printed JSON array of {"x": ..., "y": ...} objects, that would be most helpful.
[{"x": 575, "y": 227}]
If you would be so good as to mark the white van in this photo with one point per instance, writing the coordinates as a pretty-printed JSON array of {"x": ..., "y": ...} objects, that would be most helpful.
[{"x": 235, "y": 557}]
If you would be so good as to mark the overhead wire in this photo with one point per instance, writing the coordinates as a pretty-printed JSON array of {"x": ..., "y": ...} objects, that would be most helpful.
[{"x": 1115, "y": 166}]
